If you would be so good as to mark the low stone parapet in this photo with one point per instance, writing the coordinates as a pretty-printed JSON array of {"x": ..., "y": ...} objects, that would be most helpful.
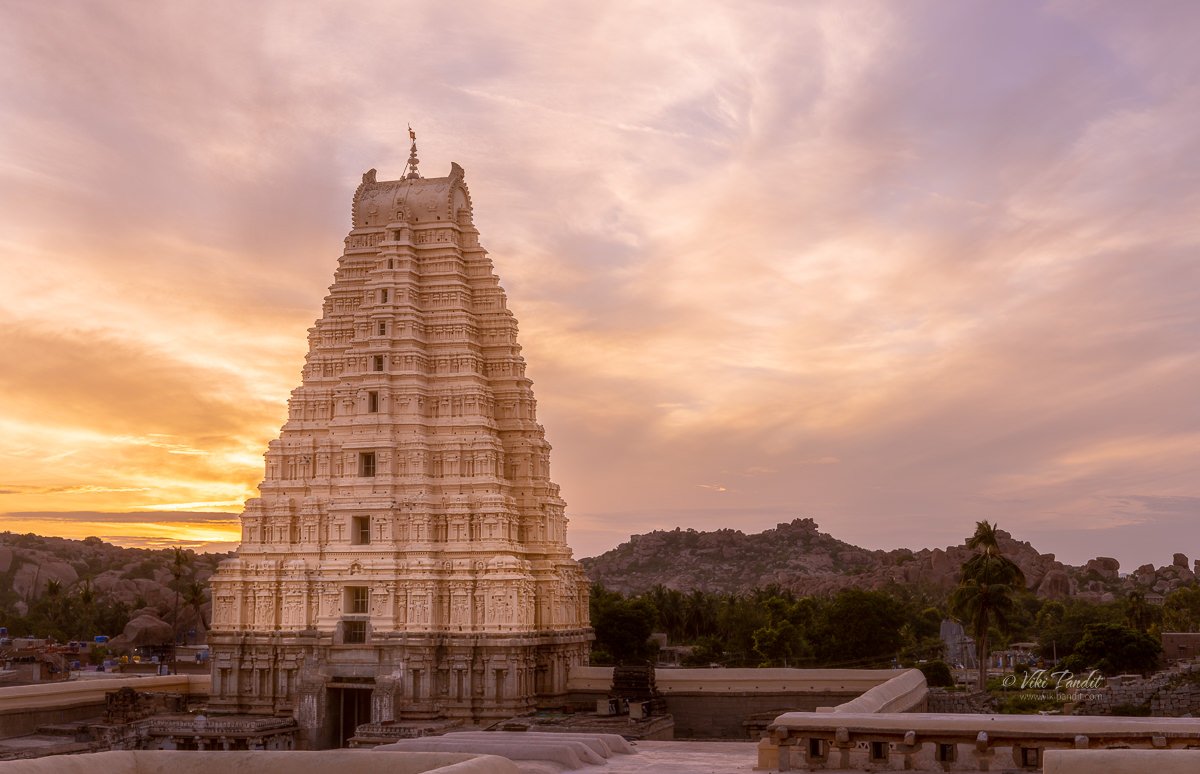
[
  {"x": 800, "y": 741},
  {"x": 1122, "y": 761}
]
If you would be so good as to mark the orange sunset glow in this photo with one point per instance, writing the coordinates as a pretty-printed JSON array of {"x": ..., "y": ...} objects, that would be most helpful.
[{"x": 897, "y": 267}]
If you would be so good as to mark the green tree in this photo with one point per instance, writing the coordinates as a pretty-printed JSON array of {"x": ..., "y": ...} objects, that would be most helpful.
[
  {"x": 781, "y": 642},
  {"x": 985, "y": 595},
  {"x": 860, "y": 629},
  {"x": 1113, "y": 649},
  {"x": 1181, "y": 610},
  {"x": 706, "y": 652},
  {"x": 668, "y": 608},
  {"x": 1051, "y": 614},
  {"x": 86, "y": 597},
  {"x": 1060, "y": 626},
  {"x": 623, "y": 627},
  {"x": 1140, "y": 614},
  {"x": 737, "y": 620},
  {"x": 699, "y": 618},
  {"x": 921, "y": 636},
  {"x": 623, "y": 631},
  {"x": 937, "y": 674}
]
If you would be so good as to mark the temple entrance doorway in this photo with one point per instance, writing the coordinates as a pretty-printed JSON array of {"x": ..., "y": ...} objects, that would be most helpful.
[{"x": 349, "y": 708}]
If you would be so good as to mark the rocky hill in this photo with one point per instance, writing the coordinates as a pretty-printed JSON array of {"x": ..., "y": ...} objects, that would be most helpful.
[
  {"x": 135, "y": 580},
  {"x": 799, "y": 557}
]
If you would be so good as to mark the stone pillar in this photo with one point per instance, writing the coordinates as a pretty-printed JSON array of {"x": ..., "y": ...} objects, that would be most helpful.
[
  {"x": 385, "y": 698},
  {"x": 311, "y": 712}
]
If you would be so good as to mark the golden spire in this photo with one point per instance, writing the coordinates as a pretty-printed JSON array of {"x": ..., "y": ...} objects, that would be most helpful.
[{"x": 411, "y": 166}]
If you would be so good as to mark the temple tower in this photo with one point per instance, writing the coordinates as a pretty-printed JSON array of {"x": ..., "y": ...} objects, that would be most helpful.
[{"x": 408, "y": 551}]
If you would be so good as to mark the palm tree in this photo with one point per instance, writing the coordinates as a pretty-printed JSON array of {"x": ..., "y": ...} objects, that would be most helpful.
[
  {"x": 195, "y": 594},
  {"x": 699, "y": 614},
  {"x": 1138, "y": 612},
  {"x": 87, "y": 602},
  {"x": 986, "y": 538},
  {"x": 985, "y": 594},
  {"x": 177, "y": 565},
  {"x": 669, "y": 605}
]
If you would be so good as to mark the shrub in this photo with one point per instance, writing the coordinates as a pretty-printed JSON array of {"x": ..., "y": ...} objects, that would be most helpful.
[{"x": 937, "y": 673}]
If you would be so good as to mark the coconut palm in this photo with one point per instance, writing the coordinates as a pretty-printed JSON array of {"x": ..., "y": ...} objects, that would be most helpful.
[
  {"x": 1138, "y": 612},
  {"x": 179, "y": 561},
  {"x": 985, "y": 594},
  {"x": 195, "y": 595}
]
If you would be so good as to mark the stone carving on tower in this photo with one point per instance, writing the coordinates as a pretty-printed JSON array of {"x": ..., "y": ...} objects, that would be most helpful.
[{"x": 408, "y": 549}]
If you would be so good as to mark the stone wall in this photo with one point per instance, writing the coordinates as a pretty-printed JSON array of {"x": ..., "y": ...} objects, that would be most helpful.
[
  {"x": 735, "y": 703},
  {"x": 24, "y": 708},
  {"x": 1173, "y": 693},
  {"x": 733, "y": 715},
  {"x": 940, "y": 700}
]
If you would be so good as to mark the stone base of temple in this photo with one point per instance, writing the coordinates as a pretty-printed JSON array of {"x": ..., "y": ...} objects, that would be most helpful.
[
  {"x": 375, "y": 734},
  {"x": 657, "y": 727},
  {"x": 332, "y": 690}
]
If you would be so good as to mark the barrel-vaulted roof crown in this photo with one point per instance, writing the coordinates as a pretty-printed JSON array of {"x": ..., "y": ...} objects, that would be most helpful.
[{"x": 411, "y": 200}]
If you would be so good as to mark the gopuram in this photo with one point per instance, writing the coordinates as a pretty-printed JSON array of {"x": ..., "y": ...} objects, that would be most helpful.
[{"x": 407, "y": 556}]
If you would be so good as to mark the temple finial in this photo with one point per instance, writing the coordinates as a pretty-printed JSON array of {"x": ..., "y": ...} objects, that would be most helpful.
[{"x": 411, "y": 166}]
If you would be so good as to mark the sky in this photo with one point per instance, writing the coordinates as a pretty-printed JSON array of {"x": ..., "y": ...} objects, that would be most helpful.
[{"x": 897, "y": 267}]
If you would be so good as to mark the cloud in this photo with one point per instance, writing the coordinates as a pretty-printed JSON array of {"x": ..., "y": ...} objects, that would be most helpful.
[{"x": 898, "y": 271}]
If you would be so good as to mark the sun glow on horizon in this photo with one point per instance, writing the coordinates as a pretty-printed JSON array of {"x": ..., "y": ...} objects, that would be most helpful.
[{"x": 208, "y": 535}]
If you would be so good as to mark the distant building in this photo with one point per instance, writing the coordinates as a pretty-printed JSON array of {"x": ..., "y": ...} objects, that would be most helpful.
[
  {"x": 407, "y": 556},
  {"x": 960, "y": 647}
]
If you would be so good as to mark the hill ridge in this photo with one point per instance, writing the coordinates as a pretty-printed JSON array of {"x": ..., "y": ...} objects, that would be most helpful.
[{"x": 799, "y": 557}]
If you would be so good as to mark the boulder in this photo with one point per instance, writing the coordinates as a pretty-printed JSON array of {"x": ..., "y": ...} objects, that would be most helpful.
[
  {"x": 30, "y": 579},
  {"x": 145, "y": 629},
  {"x": 1104, "y": 566},
  {"x": 1055, "y": 585}
]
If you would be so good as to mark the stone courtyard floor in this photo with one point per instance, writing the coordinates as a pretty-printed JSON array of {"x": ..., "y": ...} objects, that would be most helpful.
[{"x": 670, "y": 758}]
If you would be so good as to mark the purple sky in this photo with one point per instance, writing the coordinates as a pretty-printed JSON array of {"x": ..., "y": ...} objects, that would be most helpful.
[{"x": 894, "y": 266}]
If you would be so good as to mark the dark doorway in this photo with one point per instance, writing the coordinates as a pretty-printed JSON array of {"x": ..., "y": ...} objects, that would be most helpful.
[{"x": 350, "y": 708}]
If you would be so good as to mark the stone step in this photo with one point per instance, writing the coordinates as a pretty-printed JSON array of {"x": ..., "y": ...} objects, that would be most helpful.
[{"x": 73, "y": 730}]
